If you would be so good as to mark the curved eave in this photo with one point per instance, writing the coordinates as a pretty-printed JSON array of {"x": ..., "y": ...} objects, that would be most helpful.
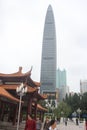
[
  {"x": 39, "y": 107},
  {"x": 16, "y": 74},
  {"x": 31, "y": 90},
  {"x": 13, "y": 87},
  {"x": 32, "y": 83},
  {"x": 38, "y": 84},
  {"x": 5, "y": 94},
  {"x": 42, "y": 96}
]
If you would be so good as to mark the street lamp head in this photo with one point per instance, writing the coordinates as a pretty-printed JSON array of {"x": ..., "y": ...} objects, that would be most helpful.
[
  {"x": 21, "y": 86},
  {"x": 22, "y": 89}
]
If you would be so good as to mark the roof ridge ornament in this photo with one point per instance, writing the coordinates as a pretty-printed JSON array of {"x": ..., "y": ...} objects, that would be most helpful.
[{"x": 31, "y": 68}]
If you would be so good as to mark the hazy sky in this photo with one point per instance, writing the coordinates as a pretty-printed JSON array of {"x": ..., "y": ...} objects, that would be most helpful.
[{"x": 21, "y": 34}]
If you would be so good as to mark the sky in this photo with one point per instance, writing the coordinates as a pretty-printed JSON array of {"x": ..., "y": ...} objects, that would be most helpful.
[{"x": 21, "y": 34}]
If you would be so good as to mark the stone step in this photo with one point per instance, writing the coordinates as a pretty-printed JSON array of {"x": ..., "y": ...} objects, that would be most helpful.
[{"x": 9, "y": 126}]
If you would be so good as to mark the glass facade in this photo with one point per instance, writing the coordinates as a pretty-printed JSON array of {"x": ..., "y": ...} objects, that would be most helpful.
[
  {"x": 48, "y": 63},
  {"x": 61, "y": 84},
  {"x": 83, "y": 86},
  {"x": 61, "y": 78}
]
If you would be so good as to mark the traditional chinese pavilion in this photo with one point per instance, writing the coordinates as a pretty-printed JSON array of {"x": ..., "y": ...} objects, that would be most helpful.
[{"x": 9, "y": 100}]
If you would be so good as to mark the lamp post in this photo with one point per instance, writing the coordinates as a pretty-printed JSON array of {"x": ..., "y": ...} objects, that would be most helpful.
[
  {"x": 53, "y": 110},
  {"x": 48, "y": 105},
  {"x": 21, "y": 90}
]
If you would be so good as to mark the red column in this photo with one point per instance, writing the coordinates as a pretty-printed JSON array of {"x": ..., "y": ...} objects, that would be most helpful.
[
  {"x": 29, "y": 105},
  {"x": 15, "y": 111},
  {"x": 2, "y": 111},
  {"x": 35, "y": 111}
]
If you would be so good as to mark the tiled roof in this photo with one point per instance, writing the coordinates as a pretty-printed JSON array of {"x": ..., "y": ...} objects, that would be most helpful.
[
  {"x": 13, "y": 87},
  {"x": 4, "y": 93},
  {"x": 38, "y": 84},
  {"x": 42, "y": 96},
  {"x": 19, "y": 77},
  {"x": 16, "y": 74},
  {"x": 41, "y": 108}
]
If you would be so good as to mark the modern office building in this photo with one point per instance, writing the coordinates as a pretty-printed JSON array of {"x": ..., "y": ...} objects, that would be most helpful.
[
  {"x": 48, "y": 63},
  {"x": 61, "y": 84},
  {"x": 83, "y": 86},
  {"x": 60, "y": 78}
]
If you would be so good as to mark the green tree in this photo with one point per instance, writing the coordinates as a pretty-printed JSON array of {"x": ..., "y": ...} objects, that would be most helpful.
[
  {"x": 62, "y": 110},
  {"x": 83, "y": 103},
  {"x": 73, "y": 101}
]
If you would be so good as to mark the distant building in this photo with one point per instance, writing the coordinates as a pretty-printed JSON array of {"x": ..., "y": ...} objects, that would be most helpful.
[
  {"x": 60, "y": 78},
  {"x": 83, "y": 86},
  {"x": 61, "y": 83}
]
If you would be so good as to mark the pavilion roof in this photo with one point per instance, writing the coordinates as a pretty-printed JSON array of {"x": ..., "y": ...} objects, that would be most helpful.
[
  {"x": 19, "y": 77},
  {"x": 33, "y": 83},
  {"x": 13, "y": 87},
  {"x": 5, "y": 94},
  {"x": 42, "y": 96},
  {"x": 16, "y": 74},
  {"x": 39, "y": 107},
  {"x": 38, "y": 84}
]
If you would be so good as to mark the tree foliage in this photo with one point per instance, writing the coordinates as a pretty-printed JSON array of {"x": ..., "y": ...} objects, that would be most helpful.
[
  {"x": 63, "y": 110},
  {"x": 77, "y": 101}
]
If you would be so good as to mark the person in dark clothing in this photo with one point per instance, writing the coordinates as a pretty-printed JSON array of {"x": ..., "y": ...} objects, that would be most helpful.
[
  {"x": 46, "y": 124},
  {"x": 86, "y": 124},
  {"x": 66, "y": 121},
  {"x": 77, "y": 121}
]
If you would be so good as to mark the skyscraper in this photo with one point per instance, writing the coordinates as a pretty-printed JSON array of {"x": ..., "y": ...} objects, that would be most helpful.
[
  {"x": 48, "y": 63},
  {"x": 83, "y": 86},
  {"x": 61, "y": 78},
  {"x": 61, "y": 83}
]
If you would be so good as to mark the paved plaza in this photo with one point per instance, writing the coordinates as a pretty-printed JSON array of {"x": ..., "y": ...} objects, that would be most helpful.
[{"x": 71, "y": 126}]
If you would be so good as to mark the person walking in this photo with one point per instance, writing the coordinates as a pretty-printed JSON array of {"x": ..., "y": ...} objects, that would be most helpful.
[
  {"x": 30, "y": 123},
  {"x": 46, "y": 124},
  {"x": 66, "y": 121},
  {"x": 85, "y": 124},
  {"x": 38, "y": 124},
  {"x": 77, "y": 121},
  {"x": 53, "y": 125}
]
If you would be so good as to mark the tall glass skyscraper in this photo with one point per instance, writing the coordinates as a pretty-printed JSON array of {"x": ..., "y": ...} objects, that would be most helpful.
[
  {"x": 61, "y": 83},
  {"x": 48, "y": 63},
  {"x": 61, "y": 78}
]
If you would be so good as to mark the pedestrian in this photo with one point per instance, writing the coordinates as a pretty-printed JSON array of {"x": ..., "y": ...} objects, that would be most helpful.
[
  {"x": 30, "y": 123},
  {"x": 46, "y": 124},
  {"x": 38, "y": 124},
  {"x": 86, "y": 124},
  {"x": 77, "y": 121},
  {"x": 53, "y": 125},
  {"x": 66, "y": 121}
]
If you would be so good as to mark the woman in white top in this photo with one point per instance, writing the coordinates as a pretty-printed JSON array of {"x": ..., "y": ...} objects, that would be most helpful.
[{"x": 53, "y": 125}]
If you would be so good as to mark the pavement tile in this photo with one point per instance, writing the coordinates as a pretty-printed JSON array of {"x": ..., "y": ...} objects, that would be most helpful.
[{"x": 71, "y": 126}]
